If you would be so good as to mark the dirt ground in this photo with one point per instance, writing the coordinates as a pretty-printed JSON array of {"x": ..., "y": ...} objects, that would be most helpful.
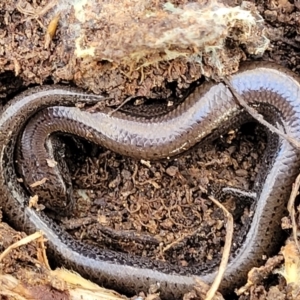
[{"x": 160, "y": 210}]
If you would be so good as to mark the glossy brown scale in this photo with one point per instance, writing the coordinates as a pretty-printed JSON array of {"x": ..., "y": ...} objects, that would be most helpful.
[{"x": 273, "y": 90}]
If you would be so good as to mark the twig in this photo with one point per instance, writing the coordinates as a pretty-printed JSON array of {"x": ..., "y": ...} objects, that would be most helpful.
[
  {"x": 258, "y": 116},
  {"x": 226, "y": 252},
  {"x": 22, "y": 242},
  {"x": 180, "y": 239},
  {"x": 35, "y": 13},
  {"x": 121, "y": 105},
  {"x": 42, "y": 256},
  {"x": 291, "y": 209}
]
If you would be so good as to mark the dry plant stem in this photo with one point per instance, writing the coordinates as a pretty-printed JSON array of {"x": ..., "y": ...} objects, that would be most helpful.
[
  {"x": 22, "y": 242},
  {"x": 4, "y": 292},
  {"x": 42, "y": 256},
  {"x": 80, "y": 288},
  {"x": 35, "y": 13},
  {"x": 201, "y": 289},
  {"x": 291, "y": 209},
  {"x": 122, "y": 104},
  {"x": 226, "y": 252},
  {"x": 74, "y": 288},
  {"x": 184, "y": 236},
  {"x": 258, "y": 116},
  {"x": 295, "y": 143}
]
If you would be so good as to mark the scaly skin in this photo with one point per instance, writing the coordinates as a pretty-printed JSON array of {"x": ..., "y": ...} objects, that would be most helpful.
[{"x": 211, "y": 108}]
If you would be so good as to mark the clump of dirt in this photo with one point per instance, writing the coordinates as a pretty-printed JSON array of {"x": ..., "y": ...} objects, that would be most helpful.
[{"x": 125, "y": 48}]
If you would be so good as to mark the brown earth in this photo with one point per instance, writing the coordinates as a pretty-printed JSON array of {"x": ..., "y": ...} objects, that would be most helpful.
[{"x": 158, "y": 210}]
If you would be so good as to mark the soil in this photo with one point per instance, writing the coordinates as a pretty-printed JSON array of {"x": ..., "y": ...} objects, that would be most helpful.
[{"x": 161, "y": 210}]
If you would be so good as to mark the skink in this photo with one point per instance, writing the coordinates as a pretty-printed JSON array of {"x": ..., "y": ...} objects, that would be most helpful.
[{"x": 273, "y": 90}]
